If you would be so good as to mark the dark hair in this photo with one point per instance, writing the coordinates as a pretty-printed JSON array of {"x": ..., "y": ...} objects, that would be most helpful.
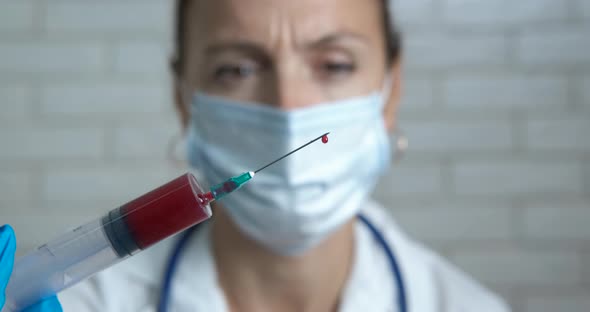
[{"x": 392, "y": 40}]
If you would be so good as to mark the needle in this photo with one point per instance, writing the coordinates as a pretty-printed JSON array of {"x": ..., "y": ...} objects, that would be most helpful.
[{"x": 291, "y": 152}]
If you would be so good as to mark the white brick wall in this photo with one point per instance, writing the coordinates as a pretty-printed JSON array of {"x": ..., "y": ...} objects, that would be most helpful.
[
  {"x": 559, "y": 134},
  {"x": 496, "y": 105},
  {"x": 144, "y": 141},
  {"x": 517, "y": 178},
  {"x": 423, "y": 179},
  {"x": 585, "y": 6},
  {"x": 443, "y": 136},
  {"x": 570, "y": 303},
  {"x": 555, "y": 47},
  {"x": 15, "y": 185},
  {"x": 455, "y": 223},
  {"x": 454, "y": 50},
  {"x": 503, "y": 12},
  {"x": 132, "y": 57},
  {"x": 522, "y": 268},
  {"x": 566, "y": 219},
  {"x": 418, "y": 94},
  {"x": 16, "y": 16},
  {"x": 110, "y": 98},
  {"x": 112, "y": 16},
  {"x": 586, "y": 92},
  {"x": 16, "y": 103},
  {"x": 505, "y": 92},
  {"x": 414, "y": 12},
  {"x": 39, "y": 144},
  {"x": 50, "y": 57}
]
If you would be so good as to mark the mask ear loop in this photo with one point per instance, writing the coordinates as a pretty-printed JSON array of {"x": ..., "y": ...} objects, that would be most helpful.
[{"x": 401, "y": 141}]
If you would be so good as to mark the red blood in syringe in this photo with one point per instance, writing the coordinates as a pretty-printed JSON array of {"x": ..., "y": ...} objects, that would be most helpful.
[
  {"x": 165, "y": 211},
  {"x": 206, "y": 198}
]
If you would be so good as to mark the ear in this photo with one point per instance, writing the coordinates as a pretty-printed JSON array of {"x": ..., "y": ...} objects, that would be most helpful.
[
  {"x": 181, "y": 103},
  {"x": 393, "y": 101}
]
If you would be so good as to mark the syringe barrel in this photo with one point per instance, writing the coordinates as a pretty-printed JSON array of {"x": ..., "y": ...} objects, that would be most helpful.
[{"x": 99, "y": 244}]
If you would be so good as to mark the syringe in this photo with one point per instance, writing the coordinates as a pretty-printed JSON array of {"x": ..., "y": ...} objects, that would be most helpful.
[{"x": 119, "y": 234}]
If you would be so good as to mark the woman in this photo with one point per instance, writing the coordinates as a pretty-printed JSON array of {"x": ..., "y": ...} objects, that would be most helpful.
[{"x": 254, "y": 79}]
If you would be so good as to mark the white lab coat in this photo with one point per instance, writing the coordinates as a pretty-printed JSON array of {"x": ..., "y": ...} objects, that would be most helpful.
[{"x": 431, "y": 283}]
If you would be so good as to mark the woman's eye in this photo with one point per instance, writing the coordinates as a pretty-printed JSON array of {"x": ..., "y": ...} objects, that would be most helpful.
[
  {"x": 230, "y": 72},
  {"x": 338, "y": 68}
]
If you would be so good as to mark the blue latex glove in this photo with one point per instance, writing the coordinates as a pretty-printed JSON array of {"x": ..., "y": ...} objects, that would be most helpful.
[
  {"x": 7, "y": 250},
  {"x": 50, "y": 304}
]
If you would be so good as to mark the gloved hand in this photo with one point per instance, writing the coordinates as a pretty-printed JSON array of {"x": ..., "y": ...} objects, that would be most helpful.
[
  {"x": 50, "y": 304},
  {"x": 7, "y": 250}
]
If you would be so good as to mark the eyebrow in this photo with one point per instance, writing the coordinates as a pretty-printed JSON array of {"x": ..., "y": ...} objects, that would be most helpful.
[
  {"x": 243, "y": 46},
  {"x": 336, "y": 37},
  {"x": 256, "y": 49}
]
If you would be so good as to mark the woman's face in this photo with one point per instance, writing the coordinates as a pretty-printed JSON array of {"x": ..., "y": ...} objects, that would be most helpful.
[{"x": 284, "y": 53}]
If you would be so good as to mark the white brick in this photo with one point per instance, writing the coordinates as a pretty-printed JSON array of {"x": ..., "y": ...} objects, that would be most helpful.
[
  {"x": 442, "y": 51},
  {"x": 15, "y": 103},
  {"x": 585, "y": 7},
  {"x": 141, "y": 57},
  {"x": 521, "y": 268},
  {"x": 8, "y": 205},
  {"x": 445, "y": 136},
  {"x": 455, "y": 222},
  {"x": 569, "y": 134},
  {"x": 569, "y": 303},
  {"x": 101, "y": 184},
  {"x": 505, "y": 92},
  {"x": 104, "y": 98},
  {"x": 586, "y": 269},
  {"x": 144, "y": 142},
  {"x": 554, "y": 48},
  {"x": 562, "y": 220},
  {"x": 503, "y": 12},
  {"x": 15, "y": 186},
  {"x": 586, "y": 169},
  {"x": 514, "y": 178},
  {"x": 41, "y": 57},
  {"x": 586, "y": 92},
  {"x": 417, "y": 94},
  {"x": 52, "y": 143},
  {"x": 111, "y": 17},
  {"x": 412, "y": 12},
  {"x": 16, "y": 15},
  {"x": 415, "y": 180}
]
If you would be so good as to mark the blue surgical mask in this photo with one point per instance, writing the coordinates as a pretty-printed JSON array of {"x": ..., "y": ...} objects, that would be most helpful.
[{"x": 293, "y": 205}]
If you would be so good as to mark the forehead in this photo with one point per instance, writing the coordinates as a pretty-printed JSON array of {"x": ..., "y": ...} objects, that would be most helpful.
[{"x": 266, "y": 20}]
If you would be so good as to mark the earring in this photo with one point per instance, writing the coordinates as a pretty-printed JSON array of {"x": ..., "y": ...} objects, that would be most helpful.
[
  {"x": 401, "y": 145},
  {"x": 172, "y": 151}
]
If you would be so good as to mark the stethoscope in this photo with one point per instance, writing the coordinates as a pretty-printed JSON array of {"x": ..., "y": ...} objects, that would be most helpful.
[{"x": 181, "y": 244}]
